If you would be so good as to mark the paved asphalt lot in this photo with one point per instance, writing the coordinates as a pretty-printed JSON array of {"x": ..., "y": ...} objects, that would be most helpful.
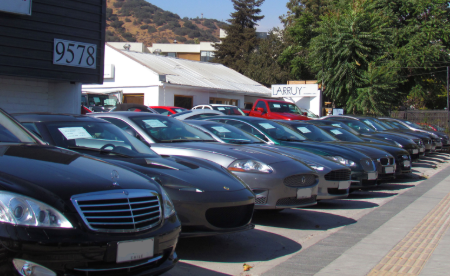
[{"x": 279, "y": 237}]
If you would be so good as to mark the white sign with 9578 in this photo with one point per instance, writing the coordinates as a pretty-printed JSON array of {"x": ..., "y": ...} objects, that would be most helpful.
[{"x": 72, "y": 53}]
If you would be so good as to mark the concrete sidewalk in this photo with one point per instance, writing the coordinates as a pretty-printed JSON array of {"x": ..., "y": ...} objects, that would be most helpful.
[{"x": 406, "y": 236}]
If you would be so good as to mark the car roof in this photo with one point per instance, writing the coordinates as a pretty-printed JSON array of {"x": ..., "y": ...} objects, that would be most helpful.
[
  {"x": 277, "y": 101},
  {"x": 201, "y": 122},
  {"x": 166, "y": 107},
  {"x": 243, "y": 118},
  {"x": 53, "y": 117}
]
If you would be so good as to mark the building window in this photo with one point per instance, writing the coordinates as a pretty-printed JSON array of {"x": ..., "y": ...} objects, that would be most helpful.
[
  {"x": 172, "y": 55},
  {"x": 183, "y": 101},
  {"x": 206, "y": 56},
  {"x": 223, "y": 101}
]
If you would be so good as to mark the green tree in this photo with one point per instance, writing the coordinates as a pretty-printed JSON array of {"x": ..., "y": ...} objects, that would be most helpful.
[
  {"x": 263, "y": 65},
  {"x": 241, "y": 37},
  {"x": 349, "y": 40}
]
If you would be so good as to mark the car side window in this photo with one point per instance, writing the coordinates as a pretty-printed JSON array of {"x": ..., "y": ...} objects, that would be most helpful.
[
  {"x": 261, "y": 104},
  {"x": 203, "y": 115}
]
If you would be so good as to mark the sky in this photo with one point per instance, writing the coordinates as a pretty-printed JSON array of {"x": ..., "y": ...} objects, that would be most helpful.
[{"x": 221, "y": 10}]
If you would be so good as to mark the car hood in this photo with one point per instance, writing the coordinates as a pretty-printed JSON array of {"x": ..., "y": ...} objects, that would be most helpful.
[
  {"x": 223, "y": 154},
  {"x": 302, "y": 156},
  {"x": 290, "y": 116},
  {"x": 52, "y": 175},
  {"x": 380, "y": 148},
  {"x": 404, "y": 135},
  {"x": 420, "y": 134},
  {"x": 185, "y": 173},
  {"x": 328, "y": 150}
]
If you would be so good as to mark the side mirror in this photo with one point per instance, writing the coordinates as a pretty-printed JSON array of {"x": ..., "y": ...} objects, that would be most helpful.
[
  {"x": 260, "y": 109},
  {"x": 305, "y": 114}
]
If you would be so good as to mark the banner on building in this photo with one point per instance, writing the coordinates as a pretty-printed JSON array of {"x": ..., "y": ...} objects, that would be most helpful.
[
  {"x": 16, "y": 6},
  {"x": 295, "y": 90}
]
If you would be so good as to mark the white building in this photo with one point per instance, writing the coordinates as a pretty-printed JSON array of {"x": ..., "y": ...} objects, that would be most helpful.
[
  {"x": 156, "y": 80},
  {"x": 199, "y": 52}
]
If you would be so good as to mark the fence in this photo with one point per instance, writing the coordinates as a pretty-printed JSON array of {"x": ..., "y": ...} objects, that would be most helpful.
[{"x": 435, "y": 117}]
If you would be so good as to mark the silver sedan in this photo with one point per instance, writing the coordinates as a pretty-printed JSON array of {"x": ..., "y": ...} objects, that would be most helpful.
[
  {"x": 278, "y": 181},
  {"x": 334, "y": 179}
]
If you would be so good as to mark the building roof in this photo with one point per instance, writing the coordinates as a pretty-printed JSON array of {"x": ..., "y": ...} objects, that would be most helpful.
[{"x": 199, "y": 74}]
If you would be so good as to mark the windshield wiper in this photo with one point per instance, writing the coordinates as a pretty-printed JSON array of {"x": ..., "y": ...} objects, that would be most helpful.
[{"x": 101, "y": 151}]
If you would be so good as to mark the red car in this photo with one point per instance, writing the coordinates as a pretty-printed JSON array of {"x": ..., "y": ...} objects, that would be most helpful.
[
  {"x": 276, "y": 110},
  {"x": 168, "y": 110}
]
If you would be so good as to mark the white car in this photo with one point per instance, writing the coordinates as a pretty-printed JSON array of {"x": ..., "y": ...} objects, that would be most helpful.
[{"x": 224, "y": 108}]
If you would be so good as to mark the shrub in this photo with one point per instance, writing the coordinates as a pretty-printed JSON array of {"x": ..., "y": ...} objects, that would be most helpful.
[
  {"x": 147, "y": 20},
  {"x": 144, "y": 27},
  {"x": 189, "y": 42},
  {"x": 163, "y": 28},
  {"x": 129, "y": 37},
  {"x": 151, "y": 29},
  {"x": 112, "y": 38},
  {"x": 193, "y": 34},
  {"x": 136, "y": 22},
  {"x": 127, "y": 20},
  {"x": 116, "y": 24},
  {"x": 164, "y": 40},
  {"x": 118, "y": 4},
  {"x": 190, "y": 25},
  {"x": 110, "y": 33}
]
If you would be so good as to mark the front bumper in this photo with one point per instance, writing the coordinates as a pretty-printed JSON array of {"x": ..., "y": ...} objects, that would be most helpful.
[
  {"x": 272, "y": 193},
  {"x": 333, "y": 189},
  {"x": 82, "y": 252},
  {"x": 199, "y": 211},
  {"x": 360, "y": 179}
]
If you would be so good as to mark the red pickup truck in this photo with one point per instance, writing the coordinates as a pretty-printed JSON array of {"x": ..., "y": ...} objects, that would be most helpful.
[{"x": 275, "y": 110}]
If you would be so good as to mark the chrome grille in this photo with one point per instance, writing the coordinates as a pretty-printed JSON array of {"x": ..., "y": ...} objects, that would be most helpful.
[
  {"x": 338, "y": 175},
  {"x": 260, "y": 200},
  {"x": 119, "y": 210},
  {"x": 300, "y": 180},
  {"x": 384, "y": 161}
]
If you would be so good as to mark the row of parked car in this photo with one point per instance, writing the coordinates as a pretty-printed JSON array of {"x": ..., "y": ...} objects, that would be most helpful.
[{"x": 110, "y": 193}]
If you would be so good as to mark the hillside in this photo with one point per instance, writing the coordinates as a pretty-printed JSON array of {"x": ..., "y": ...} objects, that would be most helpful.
[{"x": 139, "y": 20}]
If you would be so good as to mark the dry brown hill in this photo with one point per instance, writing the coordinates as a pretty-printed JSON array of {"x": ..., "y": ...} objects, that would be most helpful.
[{"x": 138, "y": 20}]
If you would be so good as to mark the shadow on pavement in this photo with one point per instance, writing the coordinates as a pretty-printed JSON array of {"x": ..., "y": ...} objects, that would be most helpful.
[
  {"x": 421, "y": 164},
  {"x": 186, "y": 269},
  {"x": 439, "y": 159},
  {"x": 248, "y": 246},
  {"x": 301, "y": 219},
  {"x": 343, "y": 204}
]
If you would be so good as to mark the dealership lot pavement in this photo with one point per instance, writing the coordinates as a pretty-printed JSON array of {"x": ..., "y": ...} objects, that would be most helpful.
[{"x": 355, "y": 236}]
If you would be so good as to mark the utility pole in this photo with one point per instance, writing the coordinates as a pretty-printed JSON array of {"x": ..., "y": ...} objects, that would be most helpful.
[{"x": 448, "y": 103}]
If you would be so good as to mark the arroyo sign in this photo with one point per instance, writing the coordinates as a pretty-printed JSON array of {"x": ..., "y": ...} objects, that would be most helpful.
[
  {"x": 295, "y": 90},
  {"x": 16, "y": 6}
]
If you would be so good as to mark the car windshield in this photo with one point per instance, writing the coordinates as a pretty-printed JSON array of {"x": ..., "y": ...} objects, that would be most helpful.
[
  {"x": 373, "y": 124},
  {"x": 231, "y": 134},
  {"x": 343, "y": 135},
  {"x": 229, "y": 110},
  {"x": 344, "y": 126},
  {"x": 98, "y": 136},
  {"x": 359, "y": 126},
  {"x": 167, "y": 129},
  {"x": 397, "y": 125},
  {"x": 279, "y": 132},
  {"x": 179, "y": 109},
  {"x": 309, "y": 113},
  {"x": 384, "y": 124},
  {"x": 313, "y": 133},
  {"x": 284, "y": 108},
  {"x": 413, "y": 124},
  {"x": 11, "y": 132}
]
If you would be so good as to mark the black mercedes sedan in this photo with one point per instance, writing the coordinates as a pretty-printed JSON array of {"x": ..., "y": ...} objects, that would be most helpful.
[
  {"x": 65, "y": 213},
  {"x": 204, "y": 207}
]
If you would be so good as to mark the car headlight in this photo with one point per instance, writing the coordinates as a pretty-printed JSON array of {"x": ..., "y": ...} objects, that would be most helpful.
[
  {"x": 17, "y": 209},
  {"x": 343, "y": 161},
  {"x": 249, "y": 166},
  {"x": 169, "y": 208}
]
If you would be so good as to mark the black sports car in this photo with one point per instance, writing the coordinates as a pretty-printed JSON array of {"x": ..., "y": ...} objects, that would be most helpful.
[
  {"x": 65, "y": 213},
  {"x": 204, "y": 207}
]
